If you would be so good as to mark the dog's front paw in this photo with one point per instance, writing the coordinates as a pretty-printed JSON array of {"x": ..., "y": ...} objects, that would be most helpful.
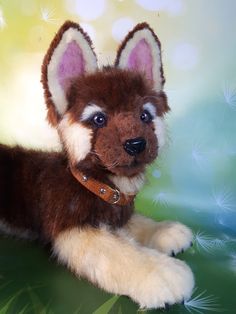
[
  {"x": 171, "y": 238},
  {"x": 170, "y": 281}
]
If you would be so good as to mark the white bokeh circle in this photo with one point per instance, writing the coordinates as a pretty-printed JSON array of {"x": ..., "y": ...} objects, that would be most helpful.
[
  {"x": 156, "y": 173},
  {"x": 28, "y": 8},
  {"x": 86, "y": 9},
  {"x": 121, "y": 27},
  {"x": 2, "y": 20},
  {"x": 152, "y": 5},
  {"x": 172, "y": 7},
  {"x": 185, "y": 56},
  {"x": 175, "y": 7}
]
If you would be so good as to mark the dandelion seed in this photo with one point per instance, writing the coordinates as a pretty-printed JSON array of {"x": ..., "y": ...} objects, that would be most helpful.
[
  {"x": 224, "y": 199},
  {"x": 202, "y": 302},
  {"x": 233, "y": 262},
  {"x": 3, "y": 23},
  {"x": 161, "y": 198},
  {"x": 229, "y": 94},
  {"x": 219, "y": 220},
  {"x": 47, "y": 15},
  {"x": 218, "y": 243},
  {"x": 198, "y": 155},
  {"x": 207, "y": 243},
  {"x": 229, "y": 239}
]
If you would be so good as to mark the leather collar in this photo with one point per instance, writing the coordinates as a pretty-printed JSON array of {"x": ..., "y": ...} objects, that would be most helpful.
[{"x": 104, "y": 191}]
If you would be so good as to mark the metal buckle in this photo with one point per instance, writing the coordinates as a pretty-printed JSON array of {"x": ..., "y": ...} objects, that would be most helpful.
[{"x": 116, "y": 197}]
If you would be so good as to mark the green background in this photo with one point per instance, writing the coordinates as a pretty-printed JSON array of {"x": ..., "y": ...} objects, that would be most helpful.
[{"x": 193, "y": 181}]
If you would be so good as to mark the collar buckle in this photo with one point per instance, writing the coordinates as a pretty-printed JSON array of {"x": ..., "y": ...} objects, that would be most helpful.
[{"x": 116, "y": 197}]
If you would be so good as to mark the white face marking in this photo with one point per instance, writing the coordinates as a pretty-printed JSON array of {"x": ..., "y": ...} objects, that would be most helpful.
[
  {"x": 150, "y": 108},
  {"x": 89, "y": 111},
  {"x": 129, "y": 185},
  {"x": 160, "y": 131},
  {"x": 159, "y": 124},
  {"x": 76, "y": 138}
]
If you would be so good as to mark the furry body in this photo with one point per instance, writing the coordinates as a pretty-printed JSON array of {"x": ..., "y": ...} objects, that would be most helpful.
[
  {"x": 110, "y": 122},
  {"x": 38, "y": 193}
]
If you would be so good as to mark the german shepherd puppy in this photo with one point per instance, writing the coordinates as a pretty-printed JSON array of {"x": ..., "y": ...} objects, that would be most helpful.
[{"x": 81, "y": 200}]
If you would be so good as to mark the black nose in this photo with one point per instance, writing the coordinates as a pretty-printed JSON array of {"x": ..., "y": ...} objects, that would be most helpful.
[{"x": 135, "y": 146}]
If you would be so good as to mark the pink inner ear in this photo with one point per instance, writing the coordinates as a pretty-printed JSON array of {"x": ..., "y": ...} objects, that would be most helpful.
[
  {"x": 72, "y": 64},
  {"x": 140, "y": 58}
]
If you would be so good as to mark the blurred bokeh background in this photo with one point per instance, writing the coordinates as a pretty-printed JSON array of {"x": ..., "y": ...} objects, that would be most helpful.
[{"x": 193, "y": 180}]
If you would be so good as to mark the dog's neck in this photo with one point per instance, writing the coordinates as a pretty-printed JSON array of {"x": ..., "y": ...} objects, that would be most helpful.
[
  {"x": 102, "y": 190},
  {"x": 128, "y": 185}
]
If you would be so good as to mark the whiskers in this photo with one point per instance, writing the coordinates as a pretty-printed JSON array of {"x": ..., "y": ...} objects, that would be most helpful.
[
  {"x": 113, "y": 165},
  {"x": 108, "y": 166},
  {"x": 97, "y": 156}
]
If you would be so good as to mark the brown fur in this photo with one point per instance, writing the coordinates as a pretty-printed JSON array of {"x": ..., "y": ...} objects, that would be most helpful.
[
  {"x": 39, "y": 193},
  {"x": 108, "y": 89}
]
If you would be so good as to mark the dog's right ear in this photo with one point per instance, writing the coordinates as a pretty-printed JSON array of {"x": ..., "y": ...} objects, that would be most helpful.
[
  {"x": 70, "y": 55},
  {"x": 141, "y": 51}
]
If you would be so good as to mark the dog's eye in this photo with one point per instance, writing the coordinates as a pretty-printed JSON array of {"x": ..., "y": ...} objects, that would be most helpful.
[
  {"x": 146, "y": 116},
  {"x": 99, "y": 120}
]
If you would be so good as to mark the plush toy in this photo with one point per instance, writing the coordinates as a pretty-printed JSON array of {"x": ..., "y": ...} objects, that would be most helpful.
[{"x": 81, "y": 200}]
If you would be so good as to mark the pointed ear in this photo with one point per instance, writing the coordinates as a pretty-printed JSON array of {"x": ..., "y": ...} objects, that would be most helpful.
[
  {"x": 69, "y": 56},
  {"x": 141, "y": 51}
]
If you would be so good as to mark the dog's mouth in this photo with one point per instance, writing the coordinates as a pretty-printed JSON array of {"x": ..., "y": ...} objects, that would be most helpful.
[
  {"x": 133, "y": 164},
  {"x": 123, "y": 164},
  {"x": 129, "y": 169}
]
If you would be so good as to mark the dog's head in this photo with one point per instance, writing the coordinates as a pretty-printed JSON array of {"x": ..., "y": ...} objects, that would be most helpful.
[{"x": 110, "y": 117}]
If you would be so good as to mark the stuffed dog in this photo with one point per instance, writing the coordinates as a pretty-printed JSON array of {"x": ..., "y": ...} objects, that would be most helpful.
[{"x": 81, "y": 200}]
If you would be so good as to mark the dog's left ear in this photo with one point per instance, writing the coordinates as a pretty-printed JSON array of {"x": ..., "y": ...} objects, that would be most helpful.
[{"x": 141, "y": 51}]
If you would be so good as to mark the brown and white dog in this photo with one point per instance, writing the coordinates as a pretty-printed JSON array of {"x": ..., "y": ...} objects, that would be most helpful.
[{"x": 110, "y": 122}]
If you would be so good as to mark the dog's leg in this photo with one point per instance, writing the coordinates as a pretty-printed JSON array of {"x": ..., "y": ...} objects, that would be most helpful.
[
  {"x": 168, "y": 237},
  {"x": 119, "y": 265}
]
